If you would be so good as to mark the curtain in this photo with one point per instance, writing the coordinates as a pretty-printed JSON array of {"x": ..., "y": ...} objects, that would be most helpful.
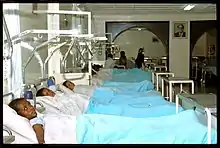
[{"x": 14, "y": 72}]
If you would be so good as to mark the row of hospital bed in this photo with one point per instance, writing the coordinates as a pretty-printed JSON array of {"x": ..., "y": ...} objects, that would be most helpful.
[
  {"x": 124, "y": 108},
  {"x": 114, "y": 106}
]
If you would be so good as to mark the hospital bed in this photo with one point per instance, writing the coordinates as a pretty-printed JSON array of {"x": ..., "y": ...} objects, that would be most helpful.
[
  {"x": 64, "y": 105},
  {"x": 200, "y": 99},
  {"x": 96, "y": 118},
  {"x": 124, "y": 103},
  {"x": 199, "y": 102},
  {"x": 72, "y": 131},
  {"x": 88, "y": 129}
]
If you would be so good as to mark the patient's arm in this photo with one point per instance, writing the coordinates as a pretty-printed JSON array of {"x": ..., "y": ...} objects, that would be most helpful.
[
  {"x": 64, "y": 89},
  {"x": 39, "y": 131}
]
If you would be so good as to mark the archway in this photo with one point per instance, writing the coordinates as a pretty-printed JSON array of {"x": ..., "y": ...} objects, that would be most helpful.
[
  {"x": 131, "y": 39},
  {"x": 203, "y": 42},
  {"x": 200, "y": 51}
]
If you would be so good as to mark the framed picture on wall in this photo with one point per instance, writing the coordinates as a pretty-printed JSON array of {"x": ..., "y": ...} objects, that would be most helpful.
[{"x": 180, "y": 30}]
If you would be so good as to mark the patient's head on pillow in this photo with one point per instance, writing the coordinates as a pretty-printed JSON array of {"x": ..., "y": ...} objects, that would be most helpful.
[
  {"x": 23, "y": 108},
  {"x": 45, "y": 92},
  {"x": 69, "y": 84}
]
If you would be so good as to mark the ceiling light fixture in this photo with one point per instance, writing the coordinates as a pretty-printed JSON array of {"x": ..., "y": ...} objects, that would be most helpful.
[{"x": 188, "y": 7}]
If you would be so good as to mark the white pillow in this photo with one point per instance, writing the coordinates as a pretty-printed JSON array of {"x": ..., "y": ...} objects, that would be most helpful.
[{"x": 18, "y": 124}]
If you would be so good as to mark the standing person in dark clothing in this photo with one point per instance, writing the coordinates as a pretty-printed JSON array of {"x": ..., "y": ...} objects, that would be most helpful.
[
  {"x": 123, "y": 59},
  {"x": 140, "y": 58}
]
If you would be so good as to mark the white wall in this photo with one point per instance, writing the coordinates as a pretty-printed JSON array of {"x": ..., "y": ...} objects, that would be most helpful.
[
  {"x": 179, "y": 53},
  {"x": 99, "y": 20},
  {"x": 131, "y": 40},
  {"x": 178, "y": 49},
  {"x": 28, "y": 20}
]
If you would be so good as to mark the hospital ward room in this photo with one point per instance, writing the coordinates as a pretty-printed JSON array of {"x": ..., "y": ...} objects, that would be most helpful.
[{"x": 109, "y": 73}]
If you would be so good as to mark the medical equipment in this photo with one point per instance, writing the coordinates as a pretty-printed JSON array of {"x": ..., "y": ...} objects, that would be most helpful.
[
  {"x": 85, "y": 45},
  {"x": 176, "y": 80}
]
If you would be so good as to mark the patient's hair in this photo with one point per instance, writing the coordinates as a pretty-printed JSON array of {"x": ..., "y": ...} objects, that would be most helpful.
[
  {"x": 65, "y": 83},
  {"x": 40, "y": 92},
  {"x": 14, "y": 104}
]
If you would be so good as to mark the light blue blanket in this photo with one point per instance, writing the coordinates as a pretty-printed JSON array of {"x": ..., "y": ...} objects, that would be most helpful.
[
  {"x": 130, "y": 104},
  {"x": 114, "y": 96},
  {"x": 129, "y": 86},
  {"x": 182, "y": 128},
  {"x": 136, "y": 110},
  {"x": 130, "y": 75}
]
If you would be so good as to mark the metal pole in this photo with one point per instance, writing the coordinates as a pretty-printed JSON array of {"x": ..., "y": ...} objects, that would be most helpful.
[
  {"x": 7, "y": 35},
  {"x": 49, "y": 56},
  {"x": 30, "y": 58}
]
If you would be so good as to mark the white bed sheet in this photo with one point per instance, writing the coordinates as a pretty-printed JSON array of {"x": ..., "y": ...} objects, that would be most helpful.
[
  {"x": 59, "y": 129},
  {"x": 84, "y": 90},
  {"x": 71, "y": 104},
  {"x": 103, "y": 74}
]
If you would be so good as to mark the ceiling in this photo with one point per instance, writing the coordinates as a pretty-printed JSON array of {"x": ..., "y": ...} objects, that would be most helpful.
[{"x": 131, "y": 8}]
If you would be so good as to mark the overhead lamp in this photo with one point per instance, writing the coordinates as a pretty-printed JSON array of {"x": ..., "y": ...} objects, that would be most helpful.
[
  {"x": 139, "y": 29},
  {"x": 188, "y": 7}
]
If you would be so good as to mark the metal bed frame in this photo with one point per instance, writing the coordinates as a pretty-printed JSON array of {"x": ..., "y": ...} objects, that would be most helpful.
[
  {"x": 203, "y": 110},
  {"x": 10, "y": 138}
]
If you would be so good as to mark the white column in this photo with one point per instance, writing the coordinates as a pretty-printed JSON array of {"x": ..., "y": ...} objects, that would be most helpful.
[
  {"x": 53, "y": 23},
  {"x": 14, "y": 66},
  {"x": 179, "y": 53},
  {"x": 99, "y": 27}
]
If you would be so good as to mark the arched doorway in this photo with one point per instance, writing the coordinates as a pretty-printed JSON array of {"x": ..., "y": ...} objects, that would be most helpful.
[
  {"x": 204, "y": 41},
  {"x": 199, "y": 34},
  {"x": 204, "y": 48},
  {"x": 133, "y": 38}
]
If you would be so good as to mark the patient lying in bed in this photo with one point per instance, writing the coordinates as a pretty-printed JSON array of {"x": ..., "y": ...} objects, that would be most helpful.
[
  {"x": 25, "y": 109},
  {"x": 105, "y": 129},
  {"x": 66, "y": 103},
  {"x": 81, "y": 89}
]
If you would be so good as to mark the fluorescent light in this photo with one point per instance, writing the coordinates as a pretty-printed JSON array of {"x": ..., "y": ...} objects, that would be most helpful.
[
  {"x": 188, "y": 7},
  {"x": 139, "y": 29}
]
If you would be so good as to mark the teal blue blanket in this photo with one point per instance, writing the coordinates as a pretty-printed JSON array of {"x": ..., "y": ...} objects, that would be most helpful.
[
  {"x": 129, "y": 86},
  {"x": 182, "y": 128},
  {"x": 130, "y": 75},
  {"x": 111, "y": 101},
  {"x": 114, "y": 96},
  {"x": 135, "y": 110}
]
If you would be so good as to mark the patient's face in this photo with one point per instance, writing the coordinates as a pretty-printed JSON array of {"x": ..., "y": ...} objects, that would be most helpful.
[
  {"x": 70, "y": 85},
  {"x": 48, "y": 92},
  {"x": 26, "y": 109}
]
